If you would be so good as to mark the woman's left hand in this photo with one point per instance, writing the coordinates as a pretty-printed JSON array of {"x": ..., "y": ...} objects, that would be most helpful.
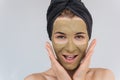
[{"x": 81, "y": 72}]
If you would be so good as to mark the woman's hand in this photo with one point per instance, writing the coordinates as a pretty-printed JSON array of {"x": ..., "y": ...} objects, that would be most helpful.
[
  {"x": 81, "y": 72},
  {"x": 58, "y": 70}
]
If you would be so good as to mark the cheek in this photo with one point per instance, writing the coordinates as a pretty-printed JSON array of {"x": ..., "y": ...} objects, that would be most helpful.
[
  {"x": 58, "y": 48},
  {"x": 83, "y": 47}
]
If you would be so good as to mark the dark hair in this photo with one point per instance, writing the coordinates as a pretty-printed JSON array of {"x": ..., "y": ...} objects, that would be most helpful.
[
  {"x": 67, "y": 13},
  {"x": 69, "y": 8}
]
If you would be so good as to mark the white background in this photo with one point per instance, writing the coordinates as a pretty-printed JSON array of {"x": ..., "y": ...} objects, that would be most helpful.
[{"x": 23, "y": 36}]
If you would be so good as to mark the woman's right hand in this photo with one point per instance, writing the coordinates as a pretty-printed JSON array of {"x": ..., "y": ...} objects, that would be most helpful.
[{"x": 58, "y": 70}]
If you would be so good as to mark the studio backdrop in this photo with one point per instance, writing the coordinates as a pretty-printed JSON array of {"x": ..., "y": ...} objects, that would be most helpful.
[{"x": 23, "y": 35}]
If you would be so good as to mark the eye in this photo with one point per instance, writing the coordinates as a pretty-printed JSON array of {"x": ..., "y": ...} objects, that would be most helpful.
[
  {"x": 60, "y": 37},
  {"x": 79, "y": 37}
]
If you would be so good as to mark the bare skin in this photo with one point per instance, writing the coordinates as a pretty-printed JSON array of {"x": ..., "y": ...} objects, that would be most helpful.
[
  {"x": 90, "y": 74},
  {"x": 79, "y": 68}
]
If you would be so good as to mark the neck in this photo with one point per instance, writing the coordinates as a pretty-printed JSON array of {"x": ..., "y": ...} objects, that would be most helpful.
[{"x": 71, "y": 72}]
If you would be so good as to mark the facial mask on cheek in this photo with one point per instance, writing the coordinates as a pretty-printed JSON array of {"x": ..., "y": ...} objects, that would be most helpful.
[{"x": 83, "y": 49}]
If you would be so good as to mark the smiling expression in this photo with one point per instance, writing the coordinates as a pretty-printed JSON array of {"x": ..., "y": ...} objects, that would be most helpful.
[{"x": 70, "y": 41}]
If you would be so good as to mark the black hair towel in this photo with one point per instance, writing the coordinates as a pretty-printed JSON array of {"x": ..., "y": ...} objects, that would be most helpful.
[{"x": 56, "y": 7}]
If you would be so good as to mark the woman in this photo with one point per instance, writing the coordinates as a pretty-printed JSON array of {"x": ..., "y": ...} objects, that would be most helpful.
[{"x": 69, "y": 28}]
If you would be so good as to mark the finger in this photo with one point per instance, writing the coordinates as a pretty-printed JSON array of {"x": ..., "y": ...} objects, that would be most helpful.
[
  {"x": 91, "y": 47},
  {"x": 89, "y": 51},
  {"x": 83, "y": 68},
  {"x": 86, "y": 61},
  {"x": 50, "y": 52},
  {"x": 56, "y": 67}
]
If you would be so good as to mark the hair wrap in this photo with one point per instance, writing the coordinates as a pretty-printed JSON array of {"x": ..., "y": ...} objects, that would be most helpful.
[{"x": 56, "y": 7}]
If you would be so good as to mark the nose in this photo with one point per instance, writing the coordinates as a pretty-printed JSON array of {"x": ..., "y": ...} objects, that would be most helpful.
[{"x": 70, "y": 46}]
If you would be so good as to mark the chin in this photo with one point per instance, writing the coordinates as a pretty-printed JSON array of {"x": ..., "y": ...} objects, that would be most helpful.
[{"x": 70, "y": 67}]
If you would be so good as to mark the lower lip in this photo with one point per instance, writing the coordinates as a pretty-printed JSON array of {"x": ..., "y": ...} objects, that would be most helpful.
[{"x": 69, "y": 60}]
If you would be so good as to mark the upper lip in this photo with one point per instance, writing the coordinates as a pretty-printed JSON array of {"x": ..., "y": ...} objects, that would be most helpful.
[{"x": 70, "y": 54}]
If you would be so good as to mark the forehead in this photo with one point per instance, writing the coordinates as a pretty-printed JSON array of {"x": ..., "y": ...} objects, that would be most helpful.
[{"x": 64, "y": 24}]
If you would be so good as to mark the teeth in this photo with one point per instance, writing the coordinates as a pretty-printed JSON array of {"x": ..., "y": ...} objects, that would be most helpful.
[{"x": 70, "y": 57}]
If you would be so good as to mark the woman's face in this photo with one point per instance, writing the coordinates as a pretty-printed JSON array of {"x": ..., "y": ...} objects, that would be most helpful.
[{"x": 70, "y": 41}]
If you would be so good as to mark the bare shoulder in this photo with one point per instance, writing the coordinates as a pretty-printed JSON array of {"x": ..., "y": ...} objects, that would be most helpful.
[
  {"x": 47, "y": 75},
  {"x": 102, "y": 74},
  {"x": 36, "y": 76}
]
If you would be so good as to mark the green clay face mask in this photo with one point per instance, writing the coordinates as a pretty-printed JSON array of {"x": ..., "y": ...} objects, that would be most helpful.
[{"x": 70, "y": 41}]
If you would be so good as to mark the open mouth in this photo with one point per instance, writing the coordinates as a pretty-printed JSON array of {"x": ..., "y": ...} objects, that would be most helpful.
[{"x": 70, "y": 58}]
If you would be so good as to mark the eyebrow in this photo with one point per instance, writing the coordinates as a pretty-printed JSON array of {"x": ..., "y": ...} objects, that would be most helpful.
[
  {"x": 59, "y": 33},
  {"x": 75, "y": 33},
  {"x": 80, "y": 33}
]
